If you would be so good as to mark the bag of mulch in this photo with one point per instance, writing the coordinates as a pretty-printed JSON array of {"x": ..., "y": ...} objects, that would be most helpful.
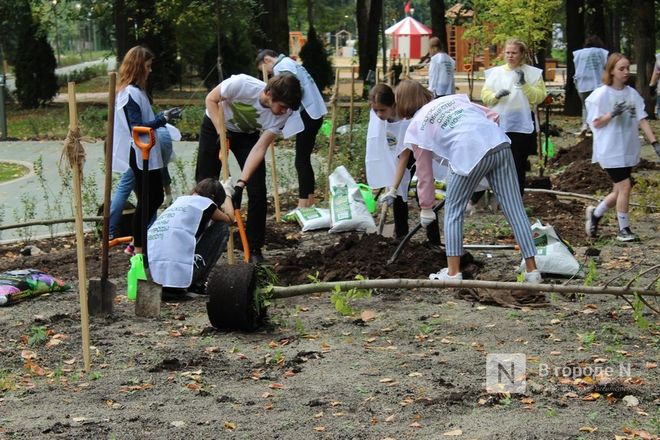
[
  {"x": 348, "y": 209},
  {"x": 18, "y": 285},
  {"x": 313, "y": 218},
  {"x": 553, "y": 256}
]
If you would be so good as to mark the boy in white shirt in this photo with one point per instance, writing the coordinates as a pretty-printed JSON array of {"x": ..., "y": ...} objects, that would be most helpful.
[
  {"x": 589, "y": 68},
  {"x": 255, "y": 113},
  {"x": 441, "y": 70}
]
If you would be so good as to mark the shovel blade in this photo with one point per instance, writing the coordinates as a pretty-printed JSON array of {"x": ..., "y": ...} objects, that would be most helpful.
[{"x": 101, "y": 294}]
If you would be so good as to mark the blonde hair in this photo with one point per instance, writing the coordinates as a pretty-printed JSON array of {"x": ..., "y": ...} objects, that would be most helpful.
[
  {"x": 609, "y": 67},
  {"x": 133, "y": 69},
  {"x": 410, "y": 96},
  {"x": 522, "y": 47}
]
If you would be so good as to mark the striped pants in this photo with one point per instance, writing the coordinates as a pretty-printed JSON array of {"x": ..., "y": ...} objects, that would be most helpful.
[{"x": 498, "y": 167}]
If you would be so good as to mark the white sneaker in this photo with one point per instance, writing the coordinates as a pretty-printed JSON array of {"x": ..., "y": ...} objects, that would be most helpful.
[
  {"x": 443, "y": 275},
  {"x": 470, "y": 209},
  {"x": 533, "y": 277}
]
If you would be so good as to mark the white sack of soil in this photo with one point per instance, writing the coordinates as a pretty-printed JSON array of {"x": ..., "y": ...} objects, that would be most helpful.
[
  {"x": 311, "y": 219},
  {"x": 348, "y": 210},
  {"x": 552, "y": 255}
]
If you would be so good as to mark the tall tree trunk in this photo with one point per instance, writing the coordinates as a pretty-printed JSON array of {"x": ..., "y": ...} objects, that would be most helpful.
[
  {"x": 121, "y": 28},
  {"x": 438, "y": 24},
  {"x": 375, "y": 17},
  {"x": 574, "y": 41},
  {"x": 362, "y": 17},
  {"x": 643, "y": 15},
  {"x": 613, "y": 28},
  {"x": 594, "y": 18},
  {"x": 274, "y": 23},
  {"x": 310, "y": 13}
]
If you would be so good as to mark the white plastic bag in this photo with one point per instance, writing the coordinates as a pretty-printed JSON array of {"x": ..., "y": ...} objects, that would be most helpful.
[
  {"x": 552, "y": 255},
  {"x": 313, "y": 218},
  {"x": 347, "y": 207}
]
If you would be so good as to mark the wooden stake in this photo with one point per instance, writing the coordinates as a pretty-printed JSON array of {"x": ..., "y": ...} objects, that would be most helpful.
[
  {"x": 333, "y": 118},
  {"x": 224, "y": 159},
  {"x": 80, "y": 236},
  {"x": 109, "y": 139},
  {"x": 273, "y": 165},
  {"x": 350, "y": 112},
  {"x": 377, "y": 75}
]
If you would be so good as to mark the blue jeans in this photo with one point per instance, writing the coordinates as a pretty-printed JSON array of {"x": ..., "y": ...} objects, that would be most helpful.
[{"x": 127, "y": 183}]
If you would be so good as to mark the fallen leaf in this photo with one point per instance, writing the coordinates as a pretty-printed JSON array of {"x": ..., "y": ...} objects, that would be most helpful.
[
  {"x": 453, "y": 433},
  {"x": 178, "y": 423},
  {"x": 415, "y": 374},
  {"x": 591, "y": 397},
  {"x": 273, "y": 344},
  {"x": 268, "y": 406},
  {"x": 571, "y": 395},
  {"x": 386, "y": 380},
  {"x": 641, "y": 434},
  {"x": 335, "y": 403},
  {"x": 70, "y": 361},
  {"x": 230, "y": 425},
  {"x": 527, "y": 401},
  {"x": 390, "y": 419},
  {"x": 588, "y": 429},
  {"x": 28, "y": 354},
  {"x": 415, "y": 425},
  {"x": 276, "y": 386},
  {"x": 319, "y": 428},
  {"x": 555, "y": 353},
  {"x": 630, "y": 401},
  {"x": 650, "y": 365},
  {"x": 368, "y": 315},
  {"x": 211, "y": 350},
  {"x": 555, "y": 321},
  {"x": 318, "y": 415}
]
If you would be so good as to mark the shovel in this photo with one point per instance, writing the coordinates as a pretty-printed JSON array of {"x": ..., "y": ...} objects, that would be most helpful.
[
  {"x": 412, "y": 232},
  {"x": 101, "y": 291},
  {"x": 381, "y": 219},
  {"x": 148, "y": 299}
]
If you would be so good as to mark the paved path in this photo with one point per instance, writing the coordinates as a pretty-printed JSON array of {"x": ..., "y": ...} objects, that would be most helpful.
[
  {"x": 110, "y": 62},
  {"x": 17, "y": 195}
]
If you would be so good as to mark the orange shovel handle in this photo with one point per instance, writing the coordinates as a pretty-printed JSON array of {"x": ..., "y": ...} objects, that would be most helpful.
[
  {"x": 137, "y": 139},
  {"x": 241, "y": 232}
]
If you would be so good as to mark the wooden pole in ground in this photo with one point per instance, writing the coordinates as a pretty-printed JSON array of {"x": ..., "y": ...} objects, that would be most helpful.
[
  {"x": 224, "y": 160},
  {"x": 76, "y": 161},
  {"x": 377, "y": 75},
  {"x": 333, "y": 126},
  {"x": 350, "y": 112},
  {"x": 273, "y": 165}
]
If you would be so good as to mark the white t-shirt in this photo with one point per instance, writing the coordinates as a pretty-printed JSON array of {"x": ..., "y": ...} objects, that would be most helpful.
[
  {"x": 514, "y": 109},
  {"x": 312, "y": 100},
  {"x": 441, "y": 74},
  {"x": 455, "y": 129},
  {"x": 123, "y": 138},
  {"x": 243, "y": 110},
  {"x": 384, "y": 143},
  {"x": 616, "y": 144},
  {"x": 589, "y": 68}
]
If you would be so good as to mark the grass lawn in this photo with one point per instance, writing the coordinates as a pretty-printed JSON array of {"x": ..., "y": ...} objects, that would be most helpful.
[{"x": 10, "y": 171}]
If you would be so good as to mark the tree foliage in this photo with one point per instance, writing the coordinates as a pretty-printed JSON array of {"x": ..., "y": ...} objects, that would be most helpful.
[
  {"x": 34, "y": 66},
  {"x": 316, "y": 62}
]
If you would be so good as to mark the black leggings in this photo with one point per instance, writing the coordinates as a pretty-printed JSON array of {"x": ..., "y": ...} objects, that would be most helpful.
[
  {"x": 209, "y": 248},
  {"x": 305, "y": 142},
  {"x": 154, "y": 198}
]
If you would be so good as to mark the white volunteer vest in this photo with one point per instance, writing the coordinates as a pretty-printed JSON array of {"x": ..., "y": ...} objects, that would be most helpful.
[
  {"x": 441, "y": 74},
  {"x": 384, "y": 143},
  {"x": 589, "y": 68},
  {"x": 616, "y": 144},
  {"x": 515, "y": 112},
  {"x": 123, "y": 138},
  {"x": 312, "y": 100},
  {"x": 171, "y": 241}
]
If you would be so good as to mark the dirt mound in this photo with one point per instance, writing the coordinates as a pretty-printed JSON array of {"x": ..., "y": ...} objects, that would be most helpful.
[
  {"x": 366, "y": 255},
  {"x": 582, "y": 150},
  {"x": 582, "y": 177}
]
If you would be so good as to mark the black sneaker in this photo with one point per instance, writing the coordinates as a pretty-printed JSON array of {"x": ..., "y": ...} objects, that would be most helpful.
[
  {"x": 174, "y": 294},
  {"x": 591, "y": 224},
  {"x": 256, "y": 257},
  {"x": 626, "y": 234}
]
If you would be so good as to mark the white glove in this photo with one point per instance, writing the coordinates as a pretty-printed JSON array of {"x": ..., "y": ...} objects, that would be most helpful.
[
  {"x": 389, "y": 197},
  {"x": 228, "y": 185},
  {"x": 426, "y": 216}
]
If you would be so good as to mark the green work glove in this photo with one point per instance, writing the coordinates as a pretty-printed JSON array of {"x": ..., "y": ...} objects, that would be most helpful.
[{"x": 135, "y": 273}]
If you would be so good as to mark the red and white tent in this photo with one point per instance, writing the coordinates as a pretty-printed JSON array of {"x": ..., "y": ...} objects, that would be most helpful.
[{"x": 410, "y": 38}]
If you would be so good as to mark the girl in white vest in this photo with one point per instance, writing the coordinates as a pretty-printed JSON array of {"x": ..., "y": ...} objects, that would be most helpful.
[
  {"x": 467, "y": 136},
  {"x": 312, "y": 110},
  {"x": 615, "y": 113},
  {"x": 387, "y": 163},
  {"x": 513, "y": 90},
  {"x": 589, "y": 68},
  {"x": 186, "y": 240},
  {"x": 132, "y": 109},
  {"x": 441, "y": 70}
]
